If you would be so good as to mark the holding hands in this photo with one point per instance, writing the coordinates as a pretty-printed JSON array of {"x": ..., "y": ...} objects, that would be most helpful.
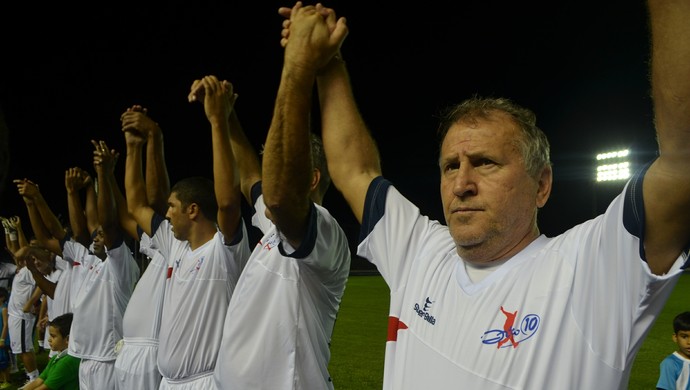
[{"x": 311, "y": 35}]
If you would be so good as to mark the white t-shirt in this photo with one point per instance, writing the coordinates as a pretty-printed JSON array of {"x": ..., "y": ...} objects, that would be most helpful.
[
  {"x": 50, "y": 302},
  {"x": 196, "y": 298},
  {"x": 142, "y": 319},
  {"x": 62, "y": 302},
  {"x": 577, "y": 305},
  {"x": 100, "y": 304},
  {"x": 23, "y": 287},
  {"x": 76, "y": 254},
  {"x": 280, "y": 320}
]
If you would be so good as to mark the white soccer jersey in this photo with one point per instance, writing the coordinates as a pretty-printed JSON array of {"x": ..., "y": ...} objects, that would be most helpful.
[
  {"x": 100, "y": 304},
  {"x": 196, "y": 298},
  {"x": 50, "y": 305},
  {"x": 23, "y": 287},
  {"x": 136, "y": 366},
  {"x": 280, "y": 320},
  {"x": 567, "y": 312},
  {"x": 62, "y": 302},
  {"x": 75, "y": 253}
]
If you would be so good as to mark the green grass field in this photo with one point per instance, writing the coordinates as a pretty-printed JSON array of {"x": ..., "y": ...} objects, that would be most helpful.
[{"x": 358, "y": 342}]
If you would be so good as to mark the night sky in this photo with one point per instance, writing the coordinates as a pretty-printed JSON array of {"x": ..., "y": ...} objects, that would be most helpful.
[{"x": 68, "y": 73}]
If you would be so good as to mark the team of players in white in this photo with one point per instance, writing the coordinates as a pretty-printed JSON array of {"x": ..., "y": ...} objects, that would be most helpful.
[{"x": 563, "y": 312}]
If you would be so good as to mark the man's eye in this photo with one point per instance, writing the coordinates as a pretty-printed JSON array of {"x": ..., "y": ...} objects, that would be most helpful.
[{"x": 450, "y": 167}]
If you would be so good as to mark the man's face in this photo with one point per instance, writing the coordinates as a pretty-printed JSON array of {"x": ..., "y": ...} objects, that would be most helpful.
[
  {"x": 178, "y": 217},
  {"x": 682, "y": 338},
  {"x": 99, "y": 242},
  {"x": 44, "y": 265},
  {"x": 489, "y": 199}
]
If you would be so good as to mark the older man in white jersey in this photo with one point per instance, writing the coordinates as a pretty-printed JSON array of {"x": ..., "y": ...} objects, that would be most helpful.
[{"x": 486, "y": 301}]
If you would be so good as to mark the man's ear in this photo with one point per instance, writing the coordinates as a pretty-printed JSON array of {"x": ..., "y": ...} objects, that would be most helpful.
[{"x": 193, "y": 210}]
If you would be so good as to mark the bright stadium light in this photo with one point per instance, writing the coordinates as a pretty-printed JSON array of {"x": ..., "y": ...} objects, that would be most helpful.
[{"x": 613, "y": 166}]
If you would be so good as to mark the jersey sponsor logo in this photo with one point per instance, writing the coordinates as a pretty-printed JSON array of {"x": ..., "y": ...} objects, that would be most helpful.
[
  {"x": 270, "y": 242},
  {"x": 510, "y": 336},
  {"x": 198, "y": 265},
  {"x": 423, "y": 311}
]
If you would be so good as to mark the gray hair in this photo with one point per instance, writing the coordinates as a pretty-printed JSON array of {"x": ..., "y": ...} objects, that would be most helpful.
[{"x": 533, "y": 144}]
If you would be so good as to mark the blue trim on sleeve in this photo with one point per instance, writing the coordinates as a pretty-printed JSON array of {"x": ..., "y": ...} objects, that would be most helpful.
[
  {"x": 634, "y": 215},
  {"x": 256, "y": 191},
  {"x": 140, "y": 232},
  {"x": 374, "y": 205},
  {"x": 633, "y": 208},
  {"x": 309, "y": 240},
  {"x": 156, "y": 221},
  {"x": 237, "y": 237}
]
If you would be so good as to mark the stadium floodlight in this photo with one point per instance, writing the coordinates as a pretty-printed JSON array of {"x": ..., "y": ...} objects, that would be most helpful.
[{"x": 613, "y": 166}]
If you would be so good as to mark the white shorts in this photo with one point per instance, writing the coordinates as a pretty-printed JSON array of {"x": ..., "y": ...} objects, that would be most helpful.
[
  {"x": 21, "y": 334},
  {"x": 198, "y": 382},
  {"x": 136, "y": 366},
  {"x": 95, "y": 375}
]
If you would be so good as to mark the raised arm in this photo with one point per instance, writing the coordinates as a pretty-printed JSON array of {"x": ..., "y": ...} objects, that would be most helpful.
[
  {"x": 351, "y": 152},
  {"x": 104, "y": 161},
  {"x": 219, "y": 100},
  {"x": 666, "y": 185},
  {"x": 91, "y": 206},
  {"x": 16, "y": 222},
  {"x": 74, "y": 183},
  {"x": 42, "y": 217},
  {"x": 246, "y": 157},
  {"x": 11, "y": 240},
  {"x": 157, "y": 179},
  {"x": 288, "y": 174},
  {"x": 135, "y": 189}
]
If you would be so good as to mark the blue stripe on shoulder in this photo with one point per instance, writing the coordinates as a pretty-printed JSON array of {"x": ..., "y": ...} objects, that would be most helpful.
[
  {"x": 633, "y": 208},
  {"x": 237, "y": 237},
  {"x": 374, "y": 205},
  {"x": 256, "y": 191},
  {"x": 634, "y": 215},
  {"x": 156, "y": 221},
  {"x": 309, "y": 241}
]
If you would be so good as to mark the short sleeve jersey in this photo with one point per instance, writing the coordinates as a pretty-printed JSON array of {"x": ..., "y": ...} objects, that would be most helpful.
[
  {"x": 22, "y": 289},
  {"x": 196, "y": 299},
  {"x": 142, "y": 318},
  {"x": 674, "y": 373},
  {"x": 101, "y": 302},
  {"x": 76, "y": 254},
  {"x": 62, "y": 302},
  {"x": 565, "y": 312},
  {"x": 50, "y": 302},
  {"x": 280, "y": 320}
]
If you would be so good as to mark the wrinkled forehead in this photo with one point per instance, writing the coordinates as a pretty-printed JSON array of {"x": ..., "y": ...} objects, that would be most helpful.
[{"x": 495, "y": 128}]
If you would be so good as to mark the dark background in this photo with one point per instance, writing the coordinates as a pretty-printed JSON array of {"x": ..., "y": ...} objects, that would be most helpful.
[{"x": 68, "y": 72}]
